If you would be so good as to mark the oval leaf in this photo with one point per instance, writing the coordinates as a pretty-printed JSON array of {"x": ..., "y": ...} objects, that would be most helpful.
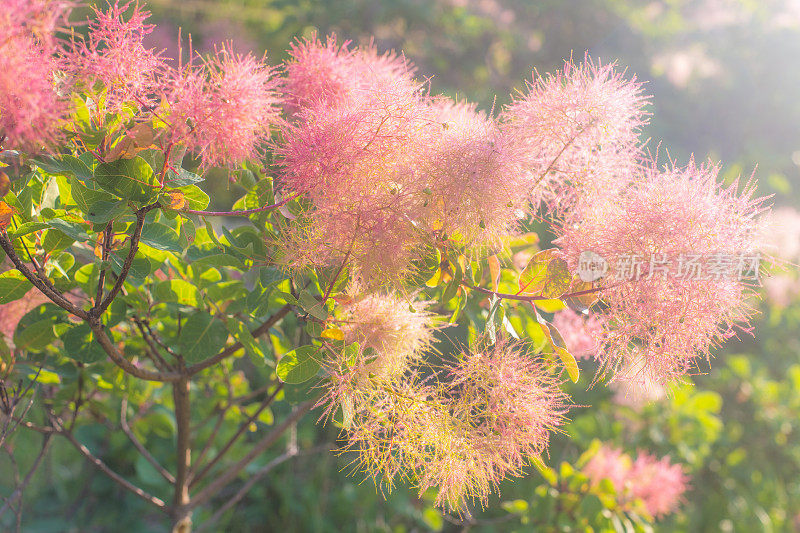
[
  {"x": 299, "y": 365},
  {"x": 202, "y": 336}
]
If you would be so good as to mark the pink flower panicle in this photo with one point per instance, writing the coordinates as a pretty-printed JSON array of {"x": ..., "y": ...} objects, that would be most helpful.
[
  {"x": 114, "y": 55},
  {"x": 658, "y": 484},
  {"x": 464, "y": 435},
  {"x": 472, "y": 174},
  {"x": 668, "y": 320},
  {"x": 31, "y": 110},
  {"x": 636, "y": 388},
  {"x": 581, "y": 332},
  {"x": 391, "y": 339},
  {"x": 222, "y": 108},
  {"x": 329, "y": 73},
  {"x": 353, "y": 159},
  {"x": 386, "y": 168},
  {"x": 579, "y": 130}
]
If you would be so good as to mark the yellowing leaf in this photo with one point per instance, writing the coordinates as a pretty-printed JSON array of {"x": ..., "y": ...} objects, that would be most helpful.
[
  {"x": 580, "y": 302},
  {"x": 5, "y": 184},
  {"x": 534, "y": 275},
  {"x": 549, "y": 306},
  {"x": 570, "y": 364},
  {"x": 138, "y": 138},
  {"x": 174, "y": 200},
  {"x": 494, "y": 270},
  {"x": 333, "y": 334},
  {"x": 435, "y": 279},
  {"x": 6, "y": 212}
]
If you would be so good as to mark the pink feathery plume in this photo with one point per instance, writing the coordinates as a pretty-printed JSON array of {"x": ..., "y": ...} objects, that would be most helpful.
[
  {"x": 31, "y": 110},
  {"x": 578, "y": 130},
  {"x": 581, "y": 332},
  {"x": 666, "y": 239},
  {"x": 114, "y": 55},
  {"x": 464, "y": 435},
  {"x": 328, "y": 73},
  {"x": 222, "y": 109},
  {"x": 658, "y": 484},
  {"x": 477, "y": 188},
  {"x": 353, "y": 160}
]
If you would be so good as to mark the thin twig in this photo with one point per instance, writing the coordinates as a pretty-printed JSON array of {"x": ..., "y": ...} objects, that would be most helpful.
[
  {"x": 124, "y": 483},
  {"x": 49, "y": 291},
  {"x": 244, "y": 212},
  {"x": 239, "y": 432},
  {"x": 29, "y": 476},
  {"x": 105, "y": 342},
  {"x": 101, "y": 281},
  {"x": 233, "y": 471},
  {"x": 152, "y": 351},
  {"x": 123, "y": 422},
  {"x": 521, "y": 298},
  {"x": 126, "y": 266}
]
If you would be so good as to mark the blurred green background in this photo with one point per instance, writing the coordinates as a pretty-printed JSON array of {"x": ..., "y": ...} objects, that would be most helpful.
[{"x": 725, "y": 83}]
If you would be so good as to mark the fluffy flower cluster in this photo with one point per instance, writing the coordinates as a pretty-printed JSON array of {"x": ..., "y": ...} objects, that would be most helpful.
[
  {"x": 636, "y": 389},
  {"x": 114, "y": 56},
  {"x": 392, "y": 335},
  {"x": 30, "y": 106},
  {"x": 658, "y": 484},
  {"x": 578, "y": 131},
  {"x": 386, "y": 167},
  {"x": 667, "y": 318},
  {"x": 222, "y": 108},
  {"x": 329, "y": 74},
  {"x": 465, "y": 433},
  {"x": 581, "y": 332}
]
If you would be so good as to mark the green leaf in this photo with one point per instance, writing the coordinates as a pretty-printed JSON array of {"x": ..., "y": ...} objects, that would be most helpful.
[
  {"x": 547, "y": 473},
  {"x": 570, "y": 364},
  {"x": 194, "y": 197},
  {"x": 433, "y": 518},
  {"x": 84, "y": 196},
  {"x": 179, "y": 291},
  {"x": 241, "y": 333},
  {"x": 104, "y": 211},
  {"x": 299, "y": 365},
  {"x": 312, "y": 306},
  {"x": 13, "y": 286},
  {"x": 515, "y": 506},
  {"x": 71, "y": 229},
  {"x": 182, "y": 178},
  {"x": 79, "y": 344},
  {"x": 132, "y": 179},
  {"x": 27, "y": 228},
  {"x": 161, "y": 237},
  {"x": 56, "y": 240},
  {"x": 66, "y": 165},
  {"x": 202, "y": 336},
  {"x": 36, "y": 335},
  {"x": 140, "y": 268}
]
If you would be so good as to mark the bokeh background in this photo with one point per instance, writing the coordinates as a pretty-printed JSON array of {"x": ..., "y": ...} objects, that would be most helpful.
[{"x": 725, "y": 80}]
